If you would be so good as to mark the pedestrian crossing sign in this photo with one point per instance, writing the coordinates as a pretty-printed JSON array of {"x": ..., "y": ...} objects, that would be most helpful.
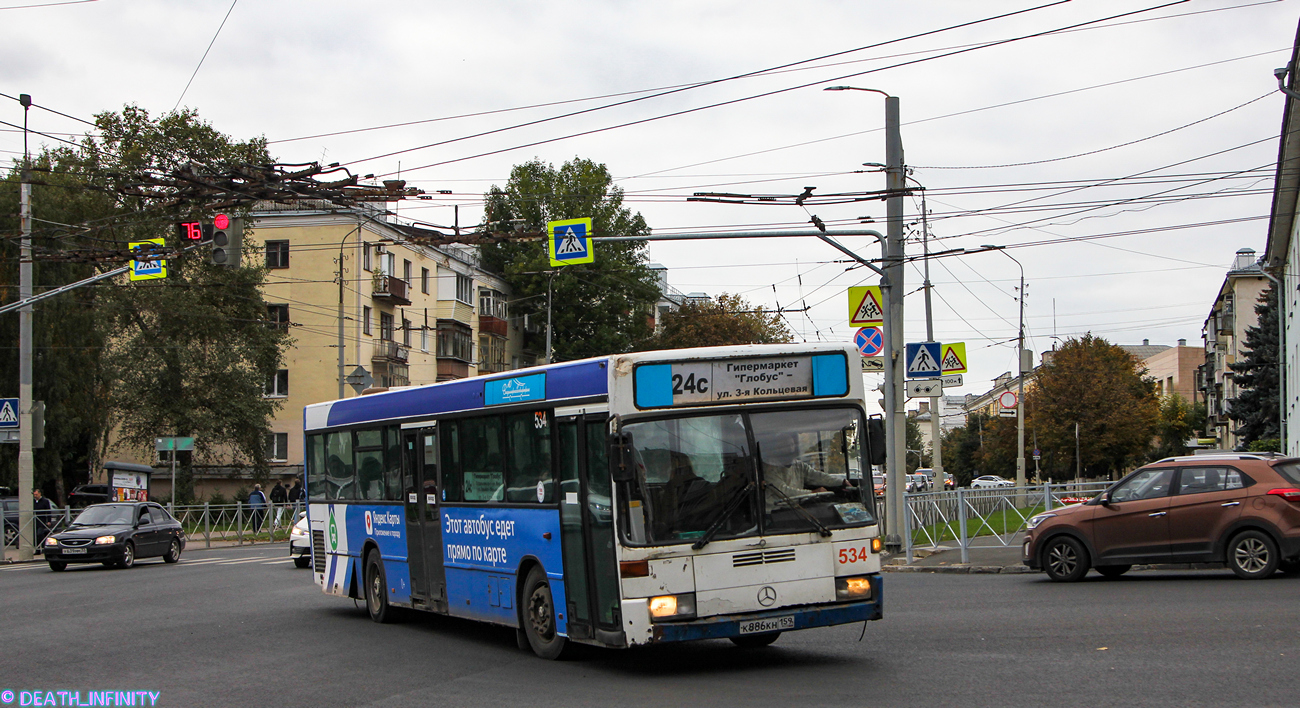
[
  {"x": 923, "y": 360},
  {"x": 953, "y": 360},
  {"x": 8, "y": 412},
  {"x": 569, "y": 242},
  {"x": 865, "y": 308},
  {"x": 148, "y": 268}
]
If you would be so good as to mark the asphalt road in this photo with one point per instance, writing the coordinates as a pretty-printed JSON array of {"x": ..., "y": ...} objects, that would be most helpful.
[{"x": 243, "y": 627}]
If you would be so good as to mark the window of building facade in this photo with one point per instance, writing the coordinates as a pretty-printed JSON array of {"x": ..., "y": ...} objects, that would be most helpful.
[
  {"x": 424, "y": 280},
  {"x": 367, "y": 261},
  {"x": 278, "y": 385},
  {"x": 406, "y": 332},
  {"x": 277, "y": 254},
  {"x": 385, "y": 326},
  {"x": 465, "y": 289},
  {"x": 491, "y": 354},
  {"x": 424, "y": 339},
  {"x": 365, "y": 319},
  {"x": 406, "y": 271},
  {"x": 455, "y": 341},
  {"x": 277, "y": 447},
  {"x": 492, "y": 303},
  {"x": 277, "y": 316}
]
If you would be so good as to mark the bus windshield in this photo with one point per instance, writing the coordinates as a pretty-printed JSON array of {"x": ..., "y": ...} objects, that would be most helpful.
[{"x": 792, "y": 471}]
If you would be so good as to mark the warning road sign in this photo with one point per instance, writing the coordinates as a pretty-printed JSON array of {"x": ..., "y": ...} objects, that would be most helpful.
[
  {"x": 923, "y": 360},
  {"x": 954, "y": 358},
  {"x": 569, "y": 242},
  {"x": 865, "y": 308}
]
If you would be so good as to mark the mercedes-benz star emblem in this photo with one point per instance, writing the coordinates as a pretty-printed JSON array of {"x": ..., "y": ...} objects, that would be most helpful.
[{"x": 767, "y": 596}]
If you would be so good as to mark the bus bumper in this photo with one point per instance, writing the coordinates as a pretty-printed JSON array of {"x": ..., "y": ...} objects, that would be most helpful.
[{"x": 805, "y": 617}]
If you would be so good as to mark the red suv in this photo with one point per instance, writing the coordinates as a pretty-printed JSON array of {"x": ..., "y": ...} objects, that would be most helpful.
[{"x": 1239, "y": 509}]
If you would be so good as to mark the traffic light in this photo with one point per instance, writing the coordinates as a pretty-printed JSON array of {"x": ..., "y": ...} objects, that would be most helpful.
[{"x": 227, "y": 238}]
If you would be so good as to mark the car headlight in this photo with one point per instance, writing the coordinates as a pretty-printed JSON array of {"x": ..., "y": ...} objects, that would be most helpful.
[
  {"x": 296, "y": 532},
  {"x": 1034, "y": 521},
  {"x": 51, "y": 541},
  {"x": 670, "y": 607},
  {"x": 105, "y": 540}
]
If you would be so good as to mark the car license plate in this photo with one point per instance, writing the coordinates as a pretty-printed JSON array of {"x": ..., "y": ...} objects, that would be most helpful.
[
  {"x": 774, "y": 624},
  {"x": 73, "y": 551}
]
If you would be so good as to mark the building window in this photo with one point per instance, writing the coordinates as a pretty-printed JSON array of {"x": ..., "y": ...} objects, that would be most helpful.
[
  {"x": 387, "y": 262},
  {"x": 455, "y": 341},
  {"x": 406, "y": 332},
  {"x": 277, "y": 447},
  {"x": 406, "y": 271},
  {"x": 278, "y": 317},
  {"x": 365, "y": 319},
  {"x": 366, "y": 261},
  {"x": 491, "y": 354},
  {"x": 385, "y": 326},
  {"x": 492, "y": 304},
  {"x": 424, "y": 280},
  {"x": 277, "y": 254},
  {"x": 278, "y": 385},
  {"x": 424, "y": 339},
  {"x": 465, "y": 289}
]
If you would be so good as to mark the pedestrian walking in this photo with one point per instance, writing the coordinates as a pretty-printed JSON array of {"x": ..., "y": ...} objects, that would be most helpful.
[
  {"x": 257, "y": 504},
  {"x": 278, "y": 498},
  {"x": 295, "y": 493},
  {"x": 42, "y": 507}
]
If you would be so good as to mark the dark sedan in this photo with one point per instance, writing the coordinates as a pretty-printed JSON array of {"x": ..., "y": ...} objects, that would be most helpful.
[{"x": 117, "y": 535}]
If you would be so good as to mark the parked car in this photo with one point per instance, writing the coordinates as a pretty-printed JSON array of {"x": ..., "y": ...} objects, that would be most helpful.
[
  {"x": 117, "y": 535},
  {"x": 300, "y": 541},
  {"x": 84, "y": 495},
  {"x": 990, "y": 481},
  {"x": 1241, "y": 509}
]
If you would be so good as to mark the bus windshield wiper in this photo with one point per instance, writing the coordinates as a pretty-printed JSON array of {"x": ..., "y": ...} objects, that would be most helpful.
[
  {"x": 732, "y": 505},
  {"x": 798, "y": 508}
]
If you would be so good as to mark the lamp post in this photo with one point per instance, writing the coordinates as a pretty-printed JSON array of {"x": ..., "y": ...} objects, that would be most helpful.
[
  {"x": 895, "y": 411},
  {"x": 1020, "y": 371}
]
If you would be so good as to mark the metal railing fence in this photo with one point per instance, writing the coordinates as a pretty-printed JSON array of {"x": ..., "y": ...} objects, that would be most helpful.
[
  {"x": 984, "y": 518},
  {"x": 236, "y": 522}
]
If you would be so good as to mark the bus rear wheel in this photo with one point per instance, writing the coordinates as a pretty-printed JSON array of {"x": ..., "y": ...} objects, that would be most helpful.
[
  {"x": 539, "y": 616},
  {"x": 377, "y": 590}
]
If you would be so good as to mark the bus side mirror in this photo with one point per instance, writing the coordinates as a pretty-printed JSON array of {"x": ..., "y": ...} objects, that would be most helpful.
[
  {"x": 624, "y": 466},
  {"x": 875, "y": 441}
]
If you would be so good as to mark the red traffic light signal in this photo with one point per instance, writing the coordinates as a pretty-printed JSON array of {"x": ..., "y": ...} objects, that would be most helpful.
[{"x": 221, "y": 222}]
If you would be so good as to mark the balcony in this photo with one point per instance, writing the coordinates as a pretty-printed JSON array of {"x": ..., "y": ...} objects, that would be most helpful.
[
  {"x": 391, "y": 351},
  {"x": 392, "y": 290},
  {"x": 492, "y": 367},
  {"x": 491, "y": 325}
]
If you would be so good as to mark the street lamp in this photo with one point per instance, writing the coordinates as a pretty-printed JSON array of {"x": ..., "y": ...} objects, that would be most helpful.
[
  {"x": 1020, "y": 370},
  {"x": 892, "y": 289}
]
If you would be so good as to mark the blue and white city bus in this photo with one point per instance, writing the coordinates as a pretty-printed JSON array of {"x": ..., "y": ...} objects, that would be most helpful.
[{"x": 618, "y": 501}]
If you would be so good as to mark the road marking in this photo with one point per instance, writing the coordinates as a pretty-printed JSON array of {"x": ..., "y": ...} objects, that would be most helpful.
[
  {"x": 244, "y": 560},
  {"x": 278, "y": 562}
]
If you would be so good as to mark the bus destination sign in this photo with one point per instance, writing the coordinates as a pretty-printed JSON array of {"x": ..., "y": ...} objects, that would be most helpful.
[{"x": 692, "y": 383}]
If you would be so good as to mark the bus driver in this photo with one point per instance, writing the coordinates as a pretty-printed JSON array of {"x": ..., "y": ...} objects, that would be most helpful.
[{"x": 785, "y": 476}]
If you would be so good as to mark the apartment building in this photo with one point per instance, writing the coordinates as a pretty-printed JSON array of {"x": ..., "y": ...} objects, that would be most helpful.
[{"x": 1232, "y": 313}]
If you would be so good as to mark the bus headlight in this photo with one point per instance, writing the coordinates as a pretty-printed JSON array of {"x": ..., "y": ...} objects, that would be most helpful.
[
  {"x": 670, "y": 607},
  {"x": 853, "y": 587}
]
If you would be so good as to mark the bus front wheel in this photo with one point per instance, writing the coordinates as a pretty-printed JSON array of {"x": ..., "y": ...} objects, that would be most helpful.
[
  {"x": 377, "y": 590},
  {"x": 539, "y": 616}
]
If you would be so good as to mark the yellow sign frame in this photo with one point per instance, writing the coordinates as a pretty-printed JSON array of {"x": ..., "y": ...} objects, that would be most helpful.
[
  {"x": 857, "y": 298},
  {"x": 160, "y": 263},
  {"x": 552, "y": 248},
  {"x": 958, "y": 351}
]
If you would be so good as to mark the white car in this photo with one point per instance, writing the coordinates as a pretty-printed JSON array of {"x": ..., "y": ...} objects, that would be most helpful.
[
  {"x": 990, "y": 481},
  {"x": 300, "y": 542}
]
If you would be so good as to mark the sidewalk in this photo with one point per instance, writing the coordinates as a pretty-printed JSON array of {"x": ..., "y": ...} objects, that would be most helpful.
[{"x": 999, "y": 559}]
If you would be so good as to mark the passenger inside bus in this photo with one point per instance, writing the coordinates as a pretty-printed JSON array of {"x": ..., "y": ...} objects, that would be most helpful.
[{"x": 786, "y": 477}]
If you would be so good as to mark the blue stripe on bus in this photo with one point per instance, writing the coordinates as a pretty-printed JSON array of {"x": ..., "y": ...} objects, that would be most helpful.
[
  {"x": 654, "y": 386},
  {"x": 804, "y": 618},
  {"x": 576, "y": 380},
  {"x": 830, "y": 375}
]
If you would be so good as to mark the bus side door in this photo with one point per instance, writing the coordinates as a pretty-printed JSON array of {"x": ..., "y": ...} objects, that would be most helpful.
[
  {"x": 423, "y": 522},
  {"x": 587, "y": 529}
]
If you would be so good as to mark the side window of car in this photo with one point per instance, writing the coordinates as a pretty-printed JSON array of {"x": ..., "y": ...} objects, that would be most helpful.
[
  {"x": 1198, "y": 480},
  {"x": 1233, "y": 479},
  {"x": 1144, "y": 484},
  {"x": 145, "y": 517}
]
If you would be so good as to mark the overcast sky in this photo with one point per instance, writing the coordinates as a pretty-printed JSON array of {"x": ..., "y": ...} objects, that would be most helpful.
[{"x": 1122, "y": 135}]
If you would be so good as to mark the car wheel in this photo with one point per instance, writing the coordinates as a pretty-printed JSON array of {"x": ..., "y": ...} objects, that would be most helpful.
[
  {"x": 1252, "y": 555},
  {"x": 377, "y": 590},
  {"x": 755, "y": 641},
  {"x": 173, "y": 552},
  {"x": 539, "y": 616},
  {"x": 58, "y": 566},
  {"x": 302, "y": 561},
  {"x": 128, "y": 556},
  {"x": 1065, "y": 559},
  {"x": 1113, "y": 571}
]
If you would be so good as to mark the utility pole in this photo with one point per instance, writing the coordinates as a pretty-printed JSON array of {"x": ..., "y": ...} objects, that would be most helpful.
[
  {"x": 895, "y": 407},
  {"x": 936, "y": 423},
  {"x": 1020, "y": 389},
  {"x": 26, "y": 461},
  {"x": 550, "y": 280}
]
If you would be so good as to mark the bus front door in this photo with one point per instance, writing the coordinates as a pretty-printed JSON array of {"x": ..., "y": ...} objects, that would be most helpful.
[
  {"x": 423, "y": 522},
  {"x": 587, "y": 530}
]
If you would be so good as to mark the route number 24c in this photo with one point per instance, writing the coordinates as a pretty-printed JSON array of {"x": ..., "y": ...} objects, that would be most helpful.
[
  {"x": 853, "y": 555},
  {"x": 690, "y": 384}
]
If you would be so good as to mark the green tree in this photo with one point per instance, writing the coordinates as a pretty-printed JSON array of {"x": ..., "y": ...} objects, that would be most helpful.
[
  {"x": 1255, "y": 408},
  {"x": 183, "y": 356},
  {"x": 1100, "y": 387},
  {"x": 916, "y": 453},
  {"x": 597, "y": 308},
  {"x": 963, "y": 449},
  {"x": 726, "y": 319},
  {"x": 1179, "y": 421}
]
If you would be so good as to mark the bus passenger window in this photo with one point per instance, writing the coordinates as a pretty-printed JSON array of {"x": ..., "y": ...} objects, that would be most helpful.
[
  {"x": 316, "y": 487},
  {"x": 483, "y": 473},
  {"x": 370, "y": 464},
  {"x": 528, "y": 448},
  {"x": 450, "y": 445},
  {"x": 393, "y": 474},
  {"x": 340, "y": 481}
]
